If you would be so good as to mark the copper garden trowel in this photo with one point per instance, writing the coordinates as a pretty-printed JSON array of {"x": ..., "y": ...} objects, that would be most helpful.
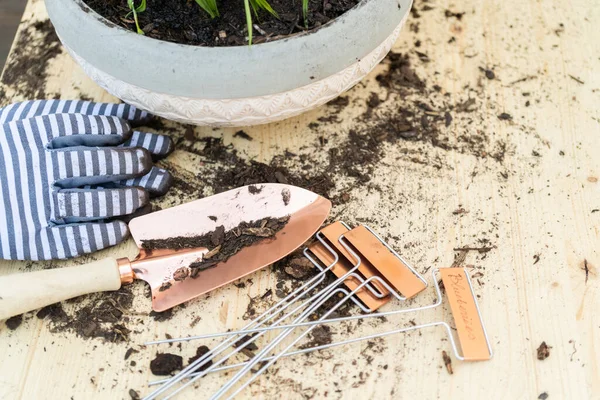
[{"x": 171, "y": 273}]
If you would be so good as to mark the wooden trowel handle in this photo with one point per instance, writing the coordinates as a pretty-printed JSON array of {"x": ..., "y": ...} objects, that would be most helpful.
[{"x": 20, "y": 293}]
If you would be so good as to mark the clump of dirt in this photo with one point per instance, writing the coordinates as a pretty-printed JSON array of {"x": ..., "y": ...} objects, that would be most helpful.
[
  {"x": 99, "y": 315},
  {"x": 181, "y": 274},
  {"x": 165, "y": 364},
  {"x": 26, "y": 69},
  {"x": 249, "y": 349},
  {"x": 14, "y": 322},
  {"x": 162, "y": 316},
  {"x": 222, "y": 244},
  {"x": 299, "y": 267},
  {"x": 256, "y": 303},
  {"x": 319, "y": 336},
  {"x": 254, "y": 189},
  {"x": 293, "y": 271},
  {"x": 200, "y": 352},
  {"x": 543, "y": 351},
  {"x": 447, "y": 362},
  {"x": 54, "y": 311},
  {"x": 243, "y": 135},
  {"x": 129, "y": 352},
  {"x": 185, "y": 22}
]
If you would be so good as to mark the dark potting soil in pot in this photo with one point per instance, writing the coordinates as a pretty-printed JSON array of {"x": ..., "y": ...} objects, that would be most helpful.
[{"x": 183, "y": 21}]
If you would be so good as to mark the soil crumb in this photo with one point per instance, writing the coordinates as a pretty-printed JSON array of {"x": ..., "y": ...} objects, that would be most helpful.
[
  {"x": 129, "y": 352},
  {"x": 14, "y": 322},
  {"x": 242, "y": 135},
  {"x": 54, "y": 311},
  {"x": 134, "y": 395},
  {"x": 162, "y": 316},
  {"x": 165, "y": 286},
  {"x": 250, "y": 346},
  {"x": 201, "y": 351},
  {"x": 181, "y": 273},
  {"x": 286, "y": 196},
  {"x": 319, "y": 336},
  {"x": 165, "y": 364},
  {"x": 253, "y": 189},
  {"x": 543, "y": 351},
  {"x": 447, "y": 362},
  {"x": 299, "y": 267}
]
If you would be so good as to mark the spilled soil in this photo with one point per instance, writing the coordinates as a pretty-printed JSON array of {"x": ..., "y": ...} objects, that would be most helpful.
[
  {"x": 423, "y": 130},
  {"x": 403, "y": 121},
  {"x": 101, "y": 315},
  {"x": 185, "y": 22},
  {"x": 26, "y": 69}
]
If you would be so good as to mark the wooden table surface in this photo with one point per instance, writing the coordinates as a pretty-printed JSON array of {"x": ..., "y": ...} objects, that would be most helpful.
[{"x": 513, "y": 171}]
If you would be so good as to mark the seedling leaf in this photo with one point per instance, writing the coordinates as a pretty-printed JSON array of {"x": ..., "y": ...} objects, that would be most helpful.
[
  {"x": 248, "y": 21},
  {"x": 135, "y": 10},
  {"x": 305, "y": 12},
  {"x": 263, "y": 5},
  {"x": 210, "y": 6}
]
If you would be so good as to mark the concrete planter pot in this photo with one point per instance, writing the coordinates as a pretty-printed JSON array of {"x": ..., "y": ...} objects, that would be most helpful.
[{"x": 230, "y": 86}]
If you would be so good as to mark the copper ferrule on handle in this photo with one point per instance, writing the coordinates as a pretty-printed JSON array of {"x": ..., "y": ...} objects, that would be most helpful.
[{"x": 125, "y": 271}]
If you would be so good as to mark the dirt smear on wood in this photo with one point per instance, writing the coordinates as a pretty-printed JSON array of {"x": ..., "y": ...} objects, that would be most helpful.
[
  {"x": 27, "y": 68},
  {"x": 100, "y": 315}
]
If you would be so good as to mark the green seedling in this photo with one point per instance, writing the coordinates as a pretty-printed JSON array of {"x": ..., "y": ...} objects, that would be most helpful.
[
  {"x": 305, "y": 12},
  {"x": 210, "y": 6},
  {"x": 248, "y": 21},
  {"x": 135, "y": 10},
  {"x": 263, "y": 5}
]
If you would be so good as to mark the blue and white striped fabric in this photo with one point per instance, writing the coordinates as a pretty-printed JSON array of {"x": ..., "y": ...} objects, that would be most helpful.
[{"x": 67, "y": 168}]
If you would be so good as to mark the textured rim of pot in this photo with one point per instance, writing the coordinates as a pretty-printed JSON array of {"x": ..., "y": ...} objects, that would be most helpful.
[{"x": 225, "y": 72}]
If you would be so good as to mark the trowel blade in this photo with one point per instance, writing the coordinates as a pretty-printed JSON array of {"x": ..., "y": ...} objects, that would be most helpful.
[{"x": 306, "y": 212}]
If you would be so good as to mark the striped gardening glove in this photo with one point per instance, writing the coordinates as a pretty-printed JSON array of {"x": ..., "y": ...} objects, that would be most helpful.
[{"x": 67, "y": 168}]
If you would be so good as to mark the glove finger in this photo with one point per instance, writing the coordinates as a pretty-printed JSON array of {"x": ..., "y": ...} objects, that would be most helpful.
[
  {"x": 157, "y": 182},
  {"x": 33, "y": 108},
  {"x": 159, "y": 146},
  {"x": 73, "y": 240},
  {"x": 83, "y": 166},
  {"x": 69, "y": 130},
  {"x": 80, "y": 205}
]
